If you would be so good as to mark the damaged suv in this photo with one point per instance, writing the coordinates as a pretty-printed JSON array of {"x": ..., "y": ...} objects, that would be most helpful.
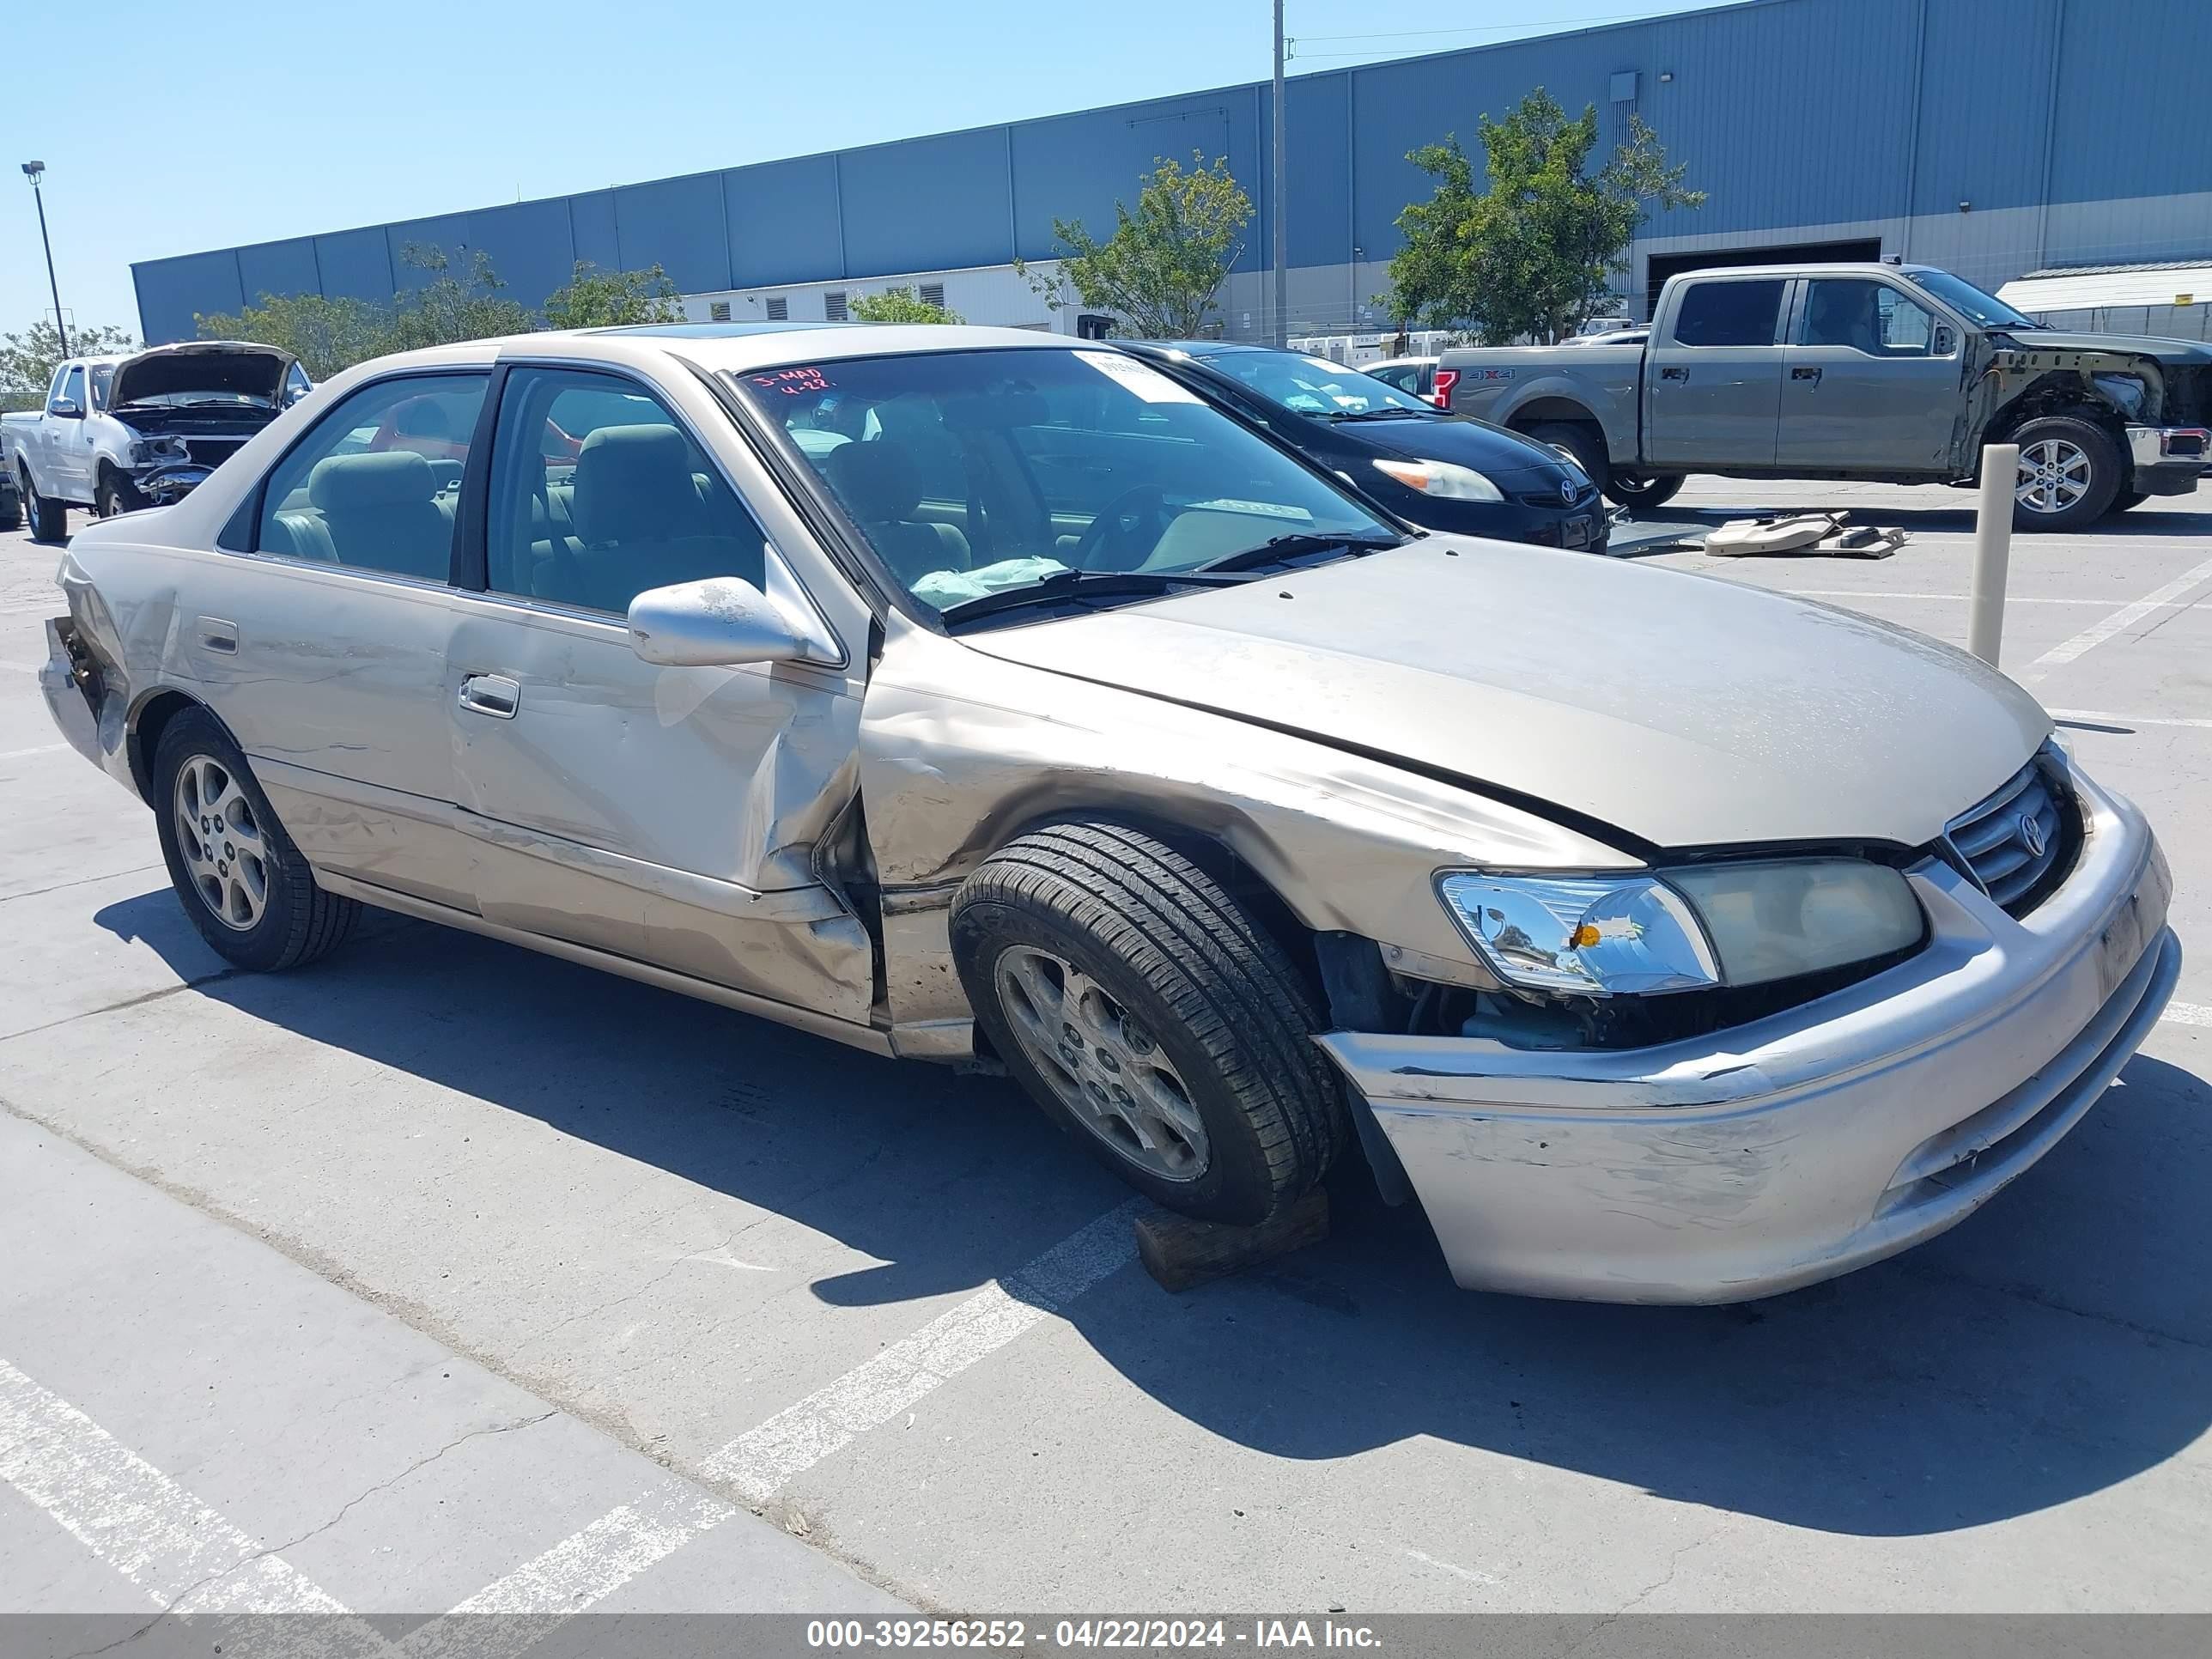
[
  {"x": 118, "y": 434},
  {"x": 959, "y": 694}
]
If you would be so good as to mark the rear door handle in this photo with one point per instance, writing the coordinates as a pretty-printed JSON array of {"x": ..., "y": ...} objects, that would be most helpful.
[
  {"x": 1812, "y": 375},
  {"x": 1673, "y": 374},
  {"x": 491, "y": 694},
  {"x": 216, "y": 634}
]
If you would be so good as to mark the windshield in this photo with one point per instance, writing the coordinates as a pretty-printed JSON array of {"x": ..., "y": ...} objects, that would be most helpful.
[
  {"x": 977, "y": 473},
  {"x": 1311, "y": 386},
  {"x": 1960, "y": 295}
]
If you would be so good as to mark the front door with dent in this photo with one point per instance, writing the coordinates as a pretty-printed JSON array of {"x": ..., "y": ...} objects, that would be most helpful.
[
  {"x": 667, "y": 815},
  {"x": 1872, "y": 380}
]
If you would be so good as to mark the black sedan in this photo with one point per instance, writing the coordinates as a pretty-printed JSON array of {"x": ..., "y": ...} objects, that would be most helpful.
[{"x": 1441, "y": 472}]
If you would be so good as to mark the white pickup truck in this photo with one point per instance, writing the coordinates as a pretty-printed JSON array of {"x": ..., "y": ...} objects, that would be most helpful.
[{"x": 119, "y": 433}]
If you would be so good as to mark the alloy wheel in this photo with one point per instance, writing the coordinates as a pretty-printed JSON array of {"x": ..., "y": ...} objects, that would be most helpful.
[
  {"x": 222, "y": 842},
  {"x": 2053, "y": 475},
  {"x": 1105, "y": 1065}
]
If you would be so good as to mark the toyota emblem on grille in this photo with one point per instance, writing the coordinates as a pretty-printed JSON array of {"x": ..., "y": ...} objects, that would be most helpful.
[
  {"x": 1567, "y": 491},
  {"x": 2030, "y": 834}
]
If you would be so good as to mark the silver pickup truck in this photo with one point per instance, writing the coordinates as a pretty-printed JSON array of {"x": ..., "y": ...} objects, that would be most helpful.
[{"x": 1896, "y": 373}]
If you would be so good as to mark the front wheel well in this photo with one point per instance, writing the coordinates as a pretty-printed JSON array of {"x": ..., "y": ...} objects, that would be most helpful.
[{"x": 1269, "y": 910}]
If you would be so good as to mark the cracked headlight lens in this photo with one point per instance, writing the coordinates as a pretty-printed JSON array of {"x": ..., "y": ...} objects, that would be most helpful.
[{"x": 1706, "y": 925}]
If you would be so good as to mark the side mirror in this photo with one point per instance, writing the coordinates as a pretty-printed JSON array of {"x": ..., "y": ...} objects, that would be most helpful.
[
  {"x": 1945, "y": 340},
  {"x": 721, "y": 623},
  {"x": 64, "y": 408}
]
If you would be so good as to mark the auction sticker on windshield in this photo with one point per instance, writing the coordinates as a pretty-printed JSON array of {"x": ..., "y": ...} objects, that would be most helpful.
[{"x": 1146, "y": 382}]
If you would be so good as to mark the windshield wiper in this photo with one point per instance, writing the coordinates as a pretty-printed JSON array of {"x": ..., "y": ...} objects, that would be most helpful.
[
  {"x": 1101, "y": 584},
  {"x": 1388, "y": 412},
  {"x": 1277, "y": 549}
]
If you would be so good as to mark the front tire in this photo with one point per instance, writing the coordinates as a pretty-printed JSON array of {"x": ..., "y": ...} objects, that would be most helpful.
[
  {"x": 116, "y": 494},
  {"x": 240, "y": 879},
  {"x": 49, "y": 519},
  {"x": 1149, "y": 1017},
  {"x": 2071, "y": 473}
]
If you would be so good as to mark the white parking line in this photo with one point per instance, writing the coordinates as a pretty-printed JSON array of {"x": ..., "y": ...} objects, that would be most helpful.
[
  {"x": 2126, "y": 617},
  {"x": 2098, "y": 714},
  {"x": 147, "y": 1526},
  {"x": 759, "y": 1462},
  {"x": 592, "y": 1564},
  {"x": 1883, "y": 593},
  {"x": 2187, "y": 1014}
]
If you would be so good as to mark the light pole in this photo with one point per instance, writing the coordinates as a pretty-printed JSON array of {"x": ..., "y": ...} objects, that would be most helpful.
[
  {"x": 1280, "y": 194},
  {"x": 33, "y": 170}
]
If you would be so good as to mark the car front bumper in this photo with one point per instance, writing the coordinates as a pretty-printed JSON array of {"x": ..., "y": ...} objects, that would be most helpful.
[
  {"x": 1804, "y": 1145},
  {"x": 2169, "y": 460}
]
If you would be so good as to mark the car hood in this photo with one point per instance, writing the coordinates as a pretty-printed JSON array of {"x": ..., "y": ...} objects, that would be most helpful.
[
  {"x": 256, "y": 371},
  {"x": 1681, "y": 711},
  {"x": 2193, "y": 353}
]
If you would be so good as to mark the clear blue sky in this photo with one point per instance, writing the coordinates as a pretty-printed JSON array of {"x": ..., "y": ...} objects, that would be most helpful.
[{"x": 253, "y": 120}]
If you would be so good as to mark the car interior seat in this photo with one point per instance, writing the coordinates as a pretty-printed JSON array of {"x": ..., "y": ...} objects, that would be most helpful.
[
  {"x": 382, "y": 511},
  {"x": 643, "y": 518},
  {"x": 881, "y": 487}
]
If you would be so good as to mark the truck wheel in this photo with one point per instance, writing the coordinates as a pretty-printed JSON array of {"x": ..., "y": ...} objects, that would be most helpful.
[
  {"x": 240, "y": 878},
  {"x": 11, "y": 510},
  {"x": 1585, "y": 442},
  {"x": 116, "y": 494},
  {"x": 2130, "y": 498},
  {"x": 49, "y": 519},
  {"x": 2070, "y": 474},
  {"x": 1642, "y": 489},
  {"x": 1149, "y": 1017}
]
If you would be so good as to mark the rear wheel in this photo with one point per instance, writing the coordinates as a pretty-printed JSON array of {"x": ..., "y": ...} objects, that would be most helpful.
[
  {"x": 2128, "y": 498},
  {"x": 1643, "y": 490},
  {"x": 240, "y": 879},
  {"x": 1151, "y": 1017},
  {"x": 2070, "y": 474},
  {"x": 49, "y": 519},
  {"x": 11, "y": 509}
]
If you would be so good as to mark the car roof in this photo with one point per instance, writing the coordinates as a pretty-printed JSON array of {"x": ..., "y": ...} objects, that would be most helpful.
[
  {"x": 718, "y": 348},
  {"x": 1829, "y": 268}
]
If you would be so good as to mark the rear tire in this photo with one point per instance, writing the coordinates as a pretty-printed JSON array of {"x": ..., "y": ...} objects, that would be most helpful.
[
  {"x": 2070, "y": 474},
  {"x": 49, "y": 519},
  {"x": 11, "y": 513},
  {"x": 237, "y": 874},
  {"x": 2130, "y": 498},
  {"x": 1149, "y": 1017},
  {"x": 1585, "y": 443},
  {"x": 1643, "y": 490}
]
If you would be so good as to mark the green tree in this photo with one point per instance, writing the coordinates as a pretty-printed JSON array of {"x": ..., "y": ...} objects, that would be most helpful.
[
  {"x": 1536, "y": 251},
  {"x": 325, "y": 334},
  {"x": 450, "y": 307},
  {"x": 27, "y": 360},
  {"x": 899, "y": 305},
  {"x": 593, "y": 298},
  {"x": 1161, "y": 270}
]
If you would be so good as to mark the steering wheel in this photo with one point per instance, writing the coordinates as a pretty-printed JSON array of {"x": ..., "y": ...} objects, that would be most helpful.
[{"x": 1117, "y": 539}]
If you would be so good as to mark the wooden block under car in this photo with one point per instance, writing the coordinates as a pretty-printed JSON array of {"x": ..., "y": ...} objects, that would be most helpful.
[{"x": 1180, "y": 1252}]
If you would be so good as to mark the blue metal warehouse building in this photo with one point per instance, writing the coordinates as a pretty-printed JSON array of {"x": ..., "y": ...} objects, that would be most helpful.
[{"x": 1997, "y": 137}]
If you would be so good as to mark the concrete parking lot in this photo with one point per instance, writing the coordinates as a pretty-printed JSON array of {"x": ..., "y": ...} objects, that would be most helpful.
[{"x": 442, "y": 1273}]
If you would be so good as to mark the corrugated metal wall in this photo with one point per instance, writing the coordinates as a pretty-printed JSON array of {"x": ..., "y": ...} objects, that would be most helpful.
[{"x": 2083, "y": 119}]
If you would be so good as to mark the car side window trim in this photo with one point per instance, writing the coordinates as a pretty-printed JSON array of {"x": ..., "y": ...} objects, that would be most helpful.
[{"x": 470, "y": 570}]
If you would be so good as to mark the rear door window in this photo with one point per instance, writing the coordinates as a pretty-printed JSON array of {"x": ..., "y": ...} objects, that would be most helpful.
[
  {"x": 375, "y": 485},
  {"x": 1729, "y": 313}
]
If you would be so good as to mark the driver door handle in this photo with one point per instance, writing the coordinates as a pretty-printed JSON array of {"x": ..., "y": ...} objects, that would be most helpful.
[
  {"x": 1673, "y": 374},
  {"x": 1812, "y": 375},
  {"x": 490, "y": 694}
]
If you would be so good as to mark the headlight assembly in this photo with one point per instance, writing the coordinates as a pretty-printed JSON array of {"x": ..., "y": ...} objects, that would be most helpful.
[
  {"x": 1442, "y": 479},
  {"x": 164, "y": 448},
  {"x": 1703, "y": 925}
]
